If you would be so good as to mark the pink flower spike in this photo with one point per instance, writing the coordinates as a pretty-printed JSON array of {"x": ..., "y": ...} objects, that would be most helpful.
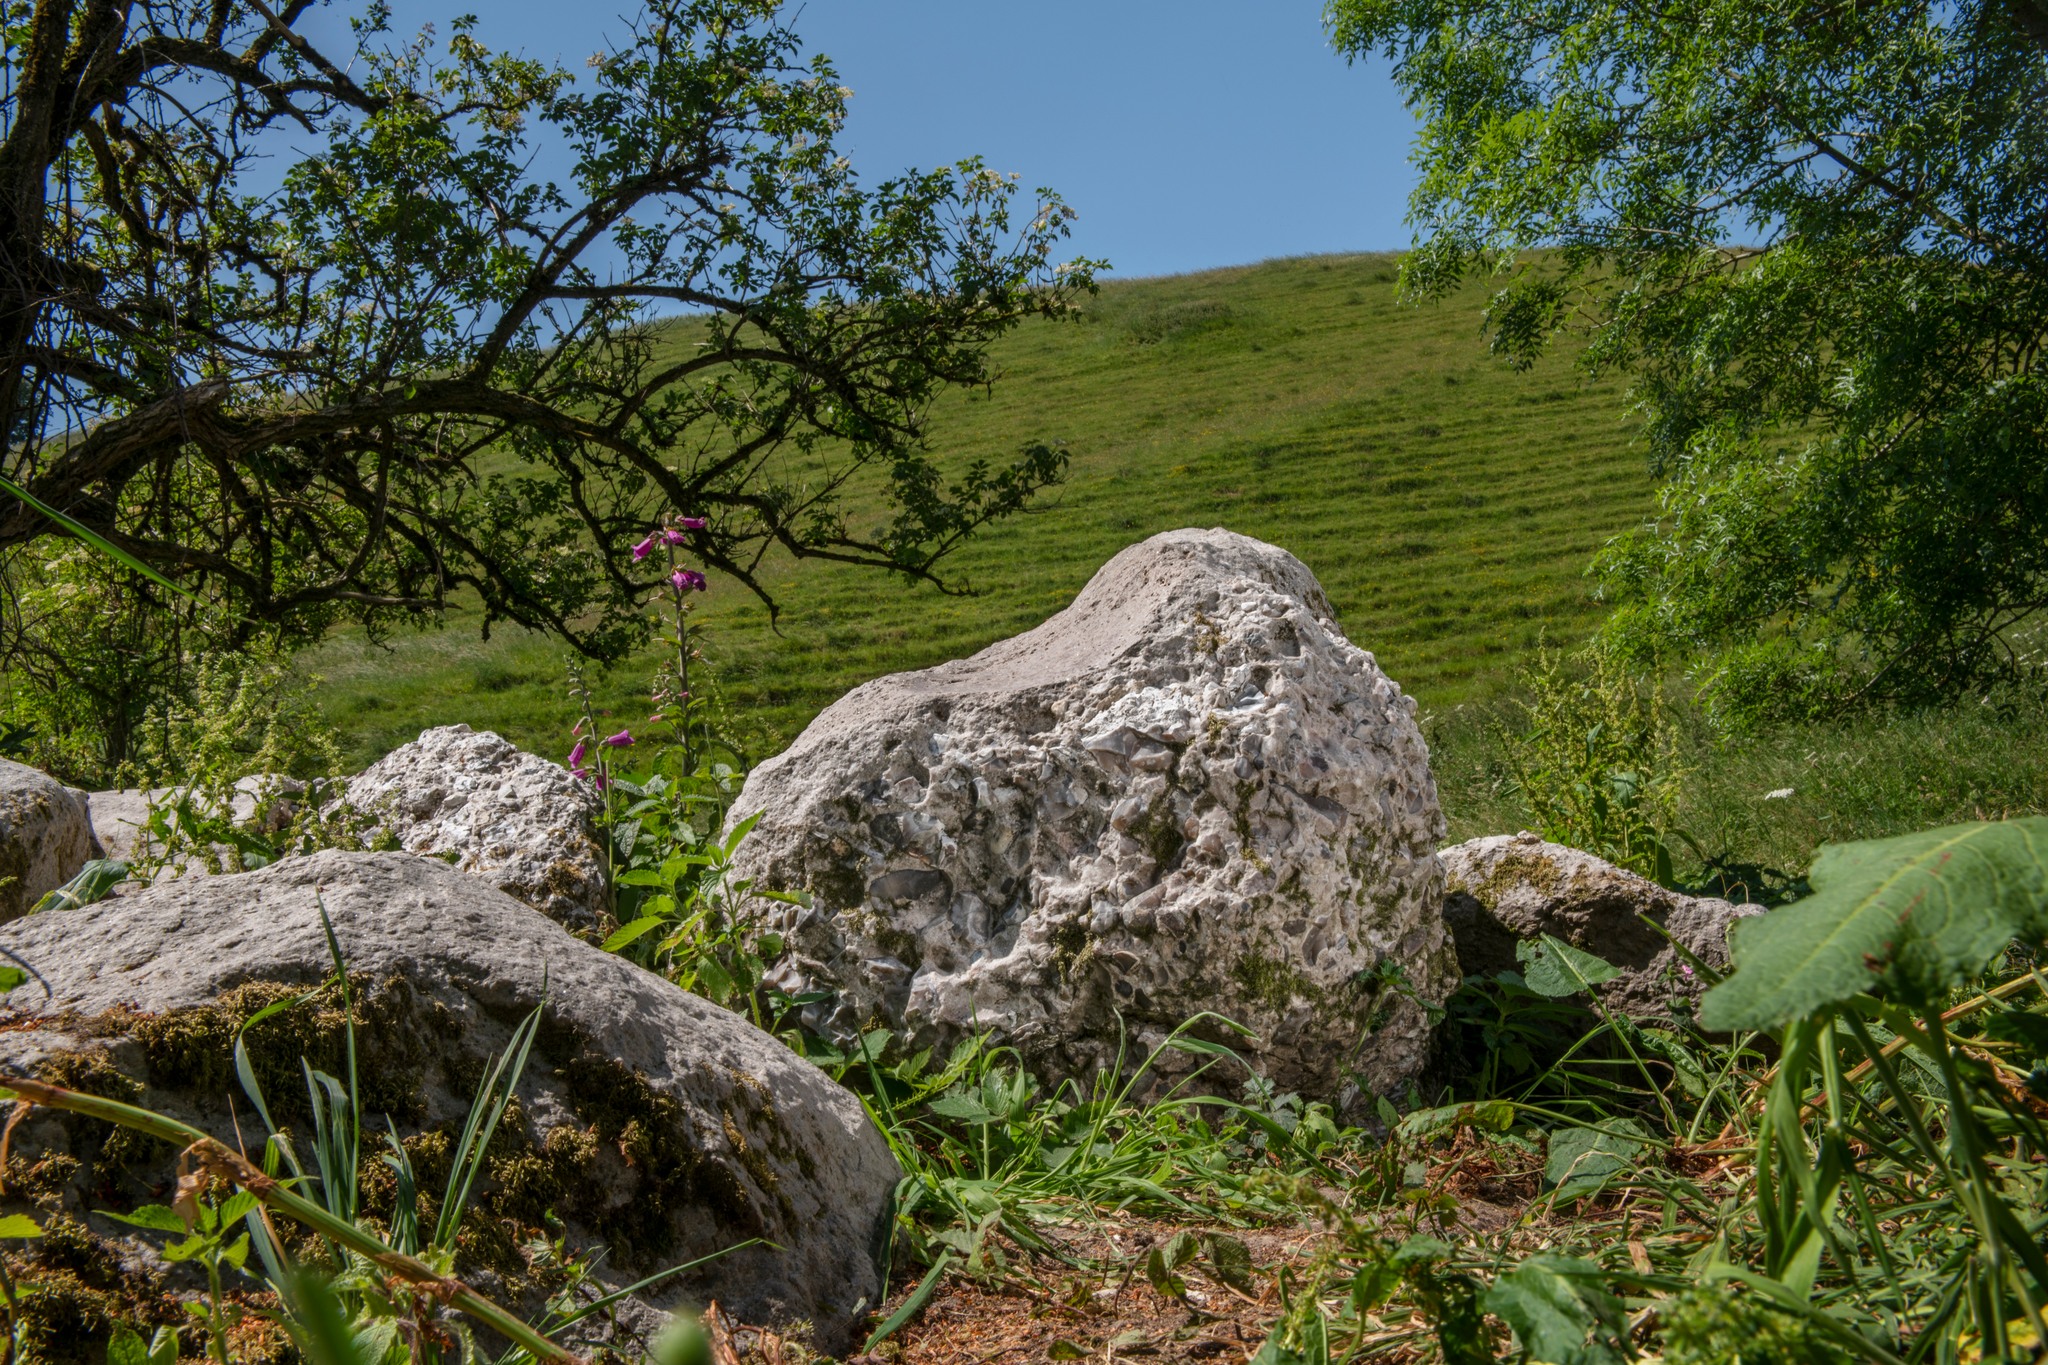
[
  {"x": 692, "y": 523},
  {"x": 576, "y": 756},
  {"x": 673, "y": 536},
  {"x": 656, "y": 719},
  {"x": 643, "y": 549},
  {"x": 617, "y": 741},
  {"x": 688, "y": 580}
]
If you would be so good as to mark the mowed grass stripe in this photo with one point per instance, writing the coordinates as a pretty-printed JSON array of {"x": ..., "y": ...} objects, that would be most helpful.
[{"x": 1449, "y": 505}]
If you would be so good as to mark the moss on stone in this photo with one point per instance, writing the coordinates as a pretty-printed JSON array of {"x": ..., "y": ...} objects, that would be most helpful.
[
  {"x": 193, "y": 1049},
  {"x": 1273, "y": 983},
  {"x": 1515, "y": 868}
]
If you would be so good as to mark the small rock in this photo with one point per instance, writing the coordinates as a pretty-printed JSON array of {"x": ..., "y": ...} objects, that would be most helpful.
[
  {"x": 1505, "y": 888},
  {"x": 1187, "y": 792},
  {"x": 513, "y": 818},
  {"x": 45, "y": 837},
  {"x": 647, "y": 1120}
]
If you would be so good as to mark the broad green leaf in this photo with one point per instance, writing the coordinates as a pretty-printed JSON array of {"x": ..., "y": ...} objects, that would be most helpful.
[
  {"x": 1494, "y": 1116},
  {"x": 1561, "y": 1309},
  {"x": 626, "y": 933},
  {"x": 93, "y": 882},
  {"x": 1923, "y": 911},
  {"x": 1164, "y": 1260},
  {"x": 10, "y": 977},
  {"x": 1230, "y": 1261},
  {"x": 1554, "y": 968},
  {"x": 155, "y": 1217},
  {"x": 1582, "y": 1160},
  {"x": 126, "y": 1348},
  {"x": 964, "y": 1108},
  {"x": 19, "y": 1225},
  {"x": 1065, "y": 1350}
]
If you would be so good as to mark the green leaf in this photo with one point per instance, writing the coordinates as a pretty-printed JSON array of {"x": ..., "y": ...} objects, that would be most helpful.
[
  {"x": 163, "y": 1347},
  {"x": 1162, "y": 1261},
  {"x": 1922, "y": 911},
  {"x": 155, "y": 1217},
  {"x": 19, "y": 1225},
  {"x": 627, "y": 933},
  {"x": 92, "y": 883},
  {"x": 1554, "y": 968},
  {"x": 126, "y": 1348},
  {"x": 1583, "y": 1160},
  {"x": 11, "y": 977},
  {"x": 1065, "y": 1350},
  {"x": 961, "y": 1107},
  {"x": 1230, "y": 1261},
  {"x": 94, "y": 539},
  {"x": 909, "y": 1307},
  {"x": 1493, "y": 1116},
  {"x": 1561, "y": 1309}
]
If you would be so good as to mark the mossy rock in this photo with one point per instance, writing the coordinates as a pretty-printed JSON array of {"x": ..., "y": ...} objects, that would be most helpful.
[{"x": 648, "y": 1121}]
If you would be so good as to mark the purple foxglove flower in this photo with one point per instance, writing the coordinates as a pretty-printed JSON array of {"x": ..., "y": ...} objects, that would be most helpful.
[
  {"x": 643, "y": 549},
  {"x": 617, "y": 741},
  {"x": 693, "y": 523},
  {"x": 673, "y": 536},
  {"x": 576, "y": 756},
  {"x": 689, "y": 580},
  {"x": 579, "y": 772}
]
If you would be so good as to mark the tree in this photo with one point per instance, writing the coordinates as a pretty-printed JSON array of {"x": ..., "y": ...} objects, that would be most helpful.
[
  {"x": 307, "y": 334},
  {"x": 1817, "y": 233}
]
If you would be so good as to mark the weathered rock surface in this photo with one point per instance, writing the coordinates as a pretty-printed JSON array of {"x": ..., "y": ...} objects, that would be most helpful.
[
  {"x": 1507, "y": 887},
  {"x": 511, "y": 817},
  {"x": 120, "y": 816},
  {"x": 648, "y": 1120},
  {"x": 45, "y": 836},
  {"x": 1185, "y": 792}
]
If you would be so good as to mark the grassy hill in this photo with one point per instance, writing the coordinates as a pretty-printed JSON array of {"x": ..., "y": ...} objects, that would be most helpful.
[{"x": 1448, "y": 504}]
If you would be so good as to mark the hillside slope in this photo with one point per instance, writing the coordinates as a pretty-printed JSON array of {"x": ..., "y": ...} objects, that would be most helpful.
[{"x": 1448, "y": 504}]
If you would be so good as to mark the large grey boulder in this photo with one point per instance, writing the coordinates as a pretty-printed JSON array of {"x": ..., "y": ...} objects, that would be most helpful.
[
  {"x": 649, "y": 1121},
  {"x": 511, "y": 817},
  {"x": 1186, "y": 792},
  {"x": 1505, "y": 888},
  {"x": 45, "y": 836}
]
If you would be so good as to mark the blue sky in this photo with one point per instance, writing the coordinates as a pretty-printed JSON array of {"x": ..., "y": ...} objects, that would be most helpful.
[{"x": 1187, "y": 133}]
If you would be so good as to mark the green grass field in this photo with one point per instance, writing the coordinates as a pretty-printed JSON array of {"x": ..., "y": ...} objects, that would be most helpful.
[{"x": 1448, "y": 504}]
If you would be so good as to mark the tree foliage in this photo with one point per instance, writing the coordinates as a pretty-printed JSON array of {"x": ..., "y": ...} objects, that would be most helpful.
[
  {"x": 1817, "y": 233},
  {"x": 313, "y": 333}
]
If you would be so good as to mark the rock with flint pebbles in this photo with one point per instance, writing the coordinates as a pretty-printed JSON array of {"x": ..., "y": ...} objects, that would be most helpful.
[
  {"x": 1505, "y": 888},
  {"x": 45, "y": 836},
  {"x": 511, "y": 817},
  {"x": 1187, "y": 792},
  {"x": 647, "y": 1120}
]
